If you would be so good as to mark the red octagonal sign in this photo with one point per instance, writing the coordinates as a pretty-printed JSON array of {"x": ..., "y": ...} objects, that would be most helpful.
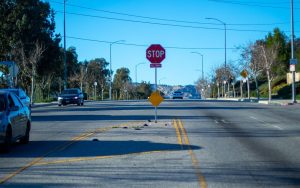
[{"x": 155, "y": 53}]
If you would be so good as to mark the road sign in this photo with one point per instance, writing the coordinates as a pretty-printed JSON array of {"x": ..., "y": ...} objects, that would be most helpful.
[
  {"x": 155, "y": 98},
  {"x": 293, "y": 61},
  {"x": 155, "y": 53},
  {"x": 155, "y": 65},
  {"x": 292, "y": 67},
  {"x": 244, "y": 73}
]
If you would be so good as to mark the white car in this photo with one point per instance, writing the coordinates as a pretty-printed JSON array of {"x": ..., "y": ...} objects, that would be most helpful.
[{"x": 177, "y": 95}]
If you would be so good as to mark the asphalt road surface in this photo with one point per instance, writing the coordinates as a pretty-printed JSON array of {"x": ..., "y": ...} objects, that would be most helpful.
[{"x": 194, "y": 144}]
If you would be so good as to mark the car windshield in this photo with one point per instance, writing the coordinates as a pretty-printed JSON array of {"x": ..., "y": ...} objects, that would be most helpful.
[
  {"x": 2, "y": 103},
  {"x": 70, "y": 91}
]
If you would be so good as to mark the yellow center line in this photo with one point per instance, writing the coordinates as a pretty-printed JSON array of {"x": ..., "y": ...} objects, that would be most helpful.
[
  {"x": 177, "y": 133},
  {"x": 195, "y": 162},
  {"x": 33, "y": 162}
]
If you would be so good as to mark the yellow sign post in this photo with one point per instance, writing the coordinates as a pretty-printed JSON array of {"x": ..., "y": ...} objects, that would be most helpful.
[
  {"x": 155, "y": 98},
  {"x": 244, "y": 73}
]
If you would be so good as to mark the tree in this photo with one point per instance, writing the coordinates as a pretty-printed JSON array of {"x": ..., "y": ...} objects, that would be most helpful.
[
  {"x": 279, "y": 39},
  {"x": 22, "y": 23},
  {"x": 202, "y": 87},
  {"x": 251, "y": 62},
  {"x": 221, "y": 73},
  {"x": 30, "y": 62},
  {"x": 96, "y": 71},
  {"x": 121, "y": 79},
  {"x": 268, "y": 55},
  {"x": 144, "y": 90}
]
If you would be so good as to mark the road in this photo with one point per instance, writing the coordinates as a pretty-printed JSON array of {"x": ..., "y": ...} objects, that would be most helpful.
[{"x": 194, "y": 144}]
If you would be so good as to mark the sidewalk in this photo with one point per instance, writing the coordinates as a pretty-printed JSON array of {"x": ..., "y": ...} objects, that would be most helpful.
[
  {"x": 278, "y": 102},
  {"x": 261, "y": 101}
]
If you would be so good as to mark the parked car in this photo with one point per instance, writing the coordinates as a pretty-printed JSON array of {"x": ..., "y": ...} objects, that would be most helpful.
[
  {"x": 71, "y": 96},
  {"x": 21, "y": 94},
  {"x": 178, "y": 95},
  {"x": 15, "y": 120}
]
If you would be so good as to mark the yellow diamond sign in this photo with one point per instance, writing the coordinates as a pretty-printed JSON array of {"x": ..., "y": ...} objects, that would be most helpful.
[
  {"x": 155, "y": 98},
  {"x": 244, "y": 73}
]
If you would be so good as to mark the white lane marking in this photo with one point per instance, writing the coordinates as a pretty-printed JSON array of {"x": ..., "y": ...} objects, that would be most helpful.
[
  {"x": 277, "y": 127},
  {"x": 253, "y": 117},
  {"x": 224, "y": 121},
  {"x": 265, "y": 123}
]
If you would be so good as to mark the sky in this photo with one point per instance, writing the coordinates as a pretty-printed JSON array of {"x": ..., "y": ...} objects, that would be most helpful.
[{"x": 180, "y": 26}]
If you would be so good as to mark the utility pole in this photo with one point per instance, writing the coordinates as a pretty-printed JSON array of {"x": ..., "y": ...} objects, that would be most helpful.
[{"x": 65, "y": 55}]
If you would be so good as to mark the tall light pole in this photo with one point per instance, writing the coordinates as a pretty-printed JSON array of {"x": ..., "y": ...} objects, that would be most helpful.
[
  {"x": 293, "y": 61},
  {"x": 110, "y": 70},
  {"x": 225, "y": 37},
  {"x": 202, "y": 63},
  {"x": 65, "y": 55},
  {"x": 136, "y": 66}
]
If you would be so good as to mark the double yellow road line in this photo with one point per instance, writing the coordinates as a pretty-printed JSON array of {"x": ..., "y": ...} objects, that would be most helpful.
[{"x": 183, "y": 140}]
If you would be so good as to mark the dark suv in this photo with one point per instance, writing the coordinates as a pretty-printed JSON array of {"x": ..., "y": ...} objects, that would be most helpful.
[{"x": 71, "y": 96}]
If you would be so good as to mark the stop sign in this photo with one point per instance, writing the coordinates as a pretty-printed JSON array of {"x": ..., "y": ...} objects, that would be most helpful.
[{"x": 155, "y": 53}]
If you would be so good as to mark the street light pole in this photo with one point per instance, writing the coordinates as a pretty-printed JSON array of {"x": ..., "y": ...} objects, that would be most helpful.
[
  {"x": 293, "y": 61},
  {"x": 202, "y": 63},
  {"x": 225, "y": 28},
  {"x": 136, "y": 66},
  {"x": 65, "y": 55},
  {"x": 110, "y": 69}
]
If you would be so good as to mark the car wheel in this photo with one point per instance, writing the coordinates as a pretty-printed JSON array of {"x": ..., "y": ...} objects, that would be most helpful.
[
  {"x": 59, "y": 104},
  {"x": 25, "y": 139},
  {"x": 7, "y": 140}
]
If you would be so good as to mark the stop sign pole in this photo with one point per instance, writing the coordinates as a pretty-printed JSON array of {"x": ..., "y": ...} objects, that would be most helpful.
[{"x": 155, "y": 53}]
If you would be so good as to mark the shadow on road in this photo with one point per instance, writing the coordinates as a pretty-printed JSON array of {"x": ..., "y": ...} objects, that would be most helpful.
[{"x": 89, "y": 148}]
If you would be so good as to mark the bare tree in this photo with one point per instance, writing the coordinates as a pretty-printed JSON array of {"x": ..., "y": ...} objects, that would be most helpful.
[
  {"x": 45, "y": 84},
  {"x": 202, "y": 87},
  {"x": 268, "y": 57},
  {"x": 225, "y": 76},
  {"x": 79, "y": 77},
  {"x": 29, "y": 63},
  {"x": 251, "y": 61},
  {"x": 255, "y": 66}
]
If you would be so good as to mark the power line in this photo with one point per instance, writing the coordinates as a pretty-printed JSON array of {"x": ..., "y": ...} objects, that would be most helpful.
[
  {"x": 253, "y": 4},
  {"x": 145, "y": 45},
  {"x": 164, "y": 19},
  {"x": 163, "y": 24}
]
